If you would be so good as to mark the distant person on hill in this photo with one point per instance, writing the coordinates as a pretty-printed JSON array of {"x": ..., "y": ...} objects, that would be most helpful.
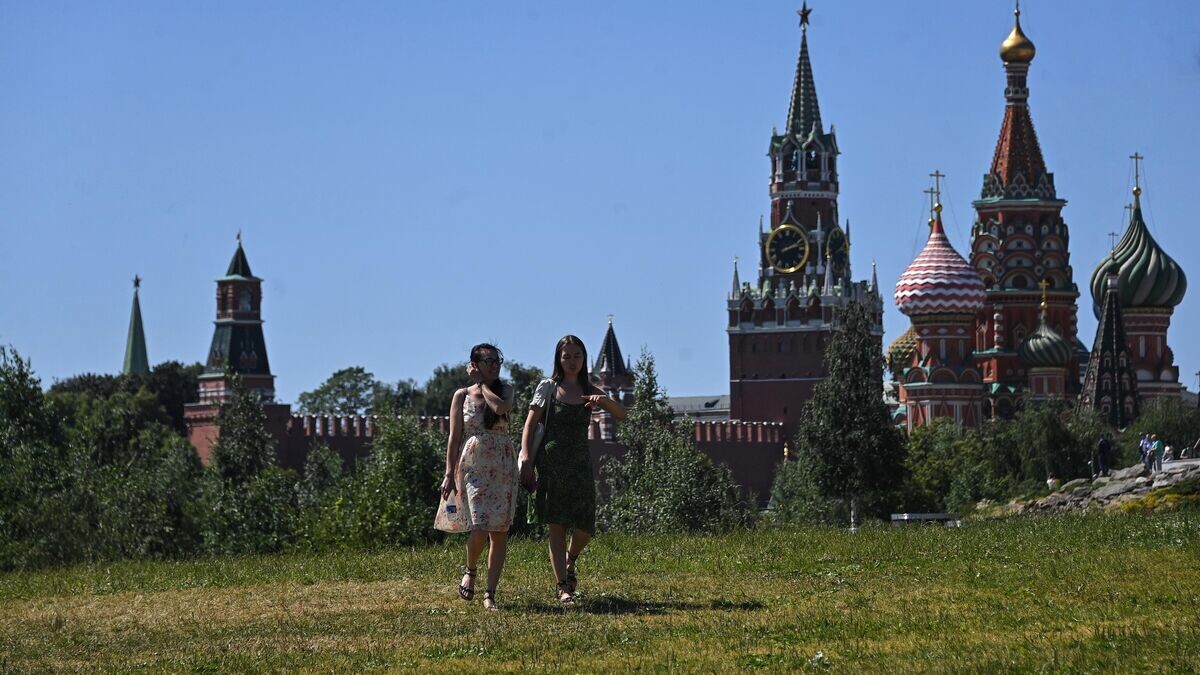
[
  {"x": 1103, "y": 450},
  {"x": 1147, "y": 452},
  {"x": 1156, "y": 452},
  {"x": 1189, "y": 453},
  {"x": 479, "y": 490},
  {"x": 564, "y": 487}
]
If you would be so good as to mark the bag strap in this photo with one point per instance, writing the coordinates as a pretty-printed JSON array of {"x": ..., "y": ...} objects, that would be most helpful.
[{"x": 546, "y": 416}]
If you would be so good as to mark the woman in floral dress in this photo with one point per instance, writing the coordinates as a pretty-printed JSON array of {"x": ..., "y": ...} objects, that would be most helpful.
[
  {"x": 565, "y": 488},
  {"x": 479, "y": 491}
]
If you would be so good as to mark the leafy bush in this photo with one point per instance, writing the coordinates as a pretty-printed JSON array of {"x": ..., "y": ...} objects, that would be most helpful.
[
  {"x": 1176, "y": 423},
  {"x": 250, "y": 502},
  {"x": 90, "y": 475},
  {"x": 663, "y": 483},
  {"x": 950, "y": 468},
  {"x": 393, "y": 496},
  {"x": 796, "y": 497}
]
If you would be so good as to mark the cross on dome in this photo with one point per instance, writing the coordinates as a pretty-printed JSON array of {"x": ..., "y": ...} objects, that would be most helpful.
[{"x": 1137, "y": 173}]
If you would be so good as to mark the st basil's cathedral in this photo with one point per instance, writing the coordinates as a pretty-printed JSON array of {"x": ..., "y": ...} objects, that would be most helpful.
[{"x": 989, "y": 334}]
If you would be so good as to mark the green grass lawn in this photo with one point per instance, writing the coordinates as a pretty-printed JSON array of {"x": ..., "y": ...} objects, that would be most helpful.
[{"x": 1080, "y": 593}]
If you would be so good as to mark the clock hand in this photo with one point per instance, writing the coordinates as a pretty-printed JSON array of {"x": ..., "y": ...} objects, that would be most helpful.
[{"x": 788, "y": 248}]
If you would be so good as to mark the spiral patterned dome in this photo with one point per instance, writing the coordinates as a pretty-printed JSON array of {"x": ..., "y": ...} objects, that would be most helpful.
[
  {"x": 939, "y": 280},
  {"x": 1044, "y": 347},
  {"x": 1148, "y": 277},
  {"x": 900, "y": 352}
]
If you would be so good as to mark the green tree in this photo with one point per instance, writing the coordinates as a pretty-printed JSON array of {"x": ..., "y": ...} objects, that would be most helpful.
[
  {"x": 406, "y": 396},
  {"x": 37, "y": 525},
  {"x": 349, "y": 391},
  {"x": 171, "y": 382},
  {"x": 251, "y": 501},
  {"x": 440, "y": 387},
  {"x": 175, "y": 385},
  {"x": 1173, "y": 421},
  {"x": 393, "y": 496},
  {"x": 662, "y": 482},
  {"x": 845, "y": 436}
]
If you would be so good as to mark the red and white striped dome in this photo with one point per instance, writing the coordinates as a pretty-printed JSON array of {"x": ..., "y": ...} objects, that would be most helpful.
[{"x": 939, "y": 280}]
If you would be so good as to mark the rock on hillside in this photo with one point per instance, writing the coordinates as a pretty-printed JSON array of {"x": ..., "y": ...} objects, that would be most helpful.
[{"x": 1104, "y": 493}]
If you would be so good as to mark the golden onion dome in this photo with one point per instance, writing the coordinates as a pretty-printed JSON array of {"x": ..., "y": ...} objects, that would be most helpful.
[
  {"x": 900, "y": 352},
  {"x": 1017, "y": 47}
]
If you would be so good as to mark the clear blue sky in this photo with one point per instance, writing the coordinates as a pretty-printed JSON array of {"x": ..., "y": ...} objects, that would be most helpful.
[{"x": 411, "y": 178}]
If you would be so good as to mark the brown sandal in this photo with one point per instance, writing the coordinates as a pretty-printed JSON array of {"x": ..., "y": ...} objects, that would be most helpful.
[
  {"x": 565, "y": 597},
  {"x": 464, "y": 592},
  {"x": 489, "y": 600},
  {"x": 571, "y": 581}
]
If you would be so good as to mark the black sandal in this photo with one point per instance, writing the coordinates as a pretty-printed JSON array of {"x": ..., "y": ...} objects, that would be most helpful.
[
  {"x": 489, "y": 600},
  {"x": 565, "y": 597},
  {"x": 571, "y": 581},
  {"x": 465, "y": 593}
]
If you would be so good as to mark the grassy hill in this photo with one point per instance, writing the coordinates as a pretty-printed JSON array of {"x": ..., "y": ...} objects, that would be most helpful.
[{"x": 1069, "y": 593}]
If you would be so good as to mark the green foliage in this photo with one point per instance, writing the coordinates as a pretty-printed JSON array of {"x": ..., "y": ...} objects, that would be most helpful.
[
  {"x": 663, "y": 483},
  {"x": 439, "y": 389},
  {"x": 113, "y": 480},
  {"x": 349, "y": 391},
  {"x": 393, "y": 496},
  {"x": 949, "y": 468},
  {"x": 36, "y": 524},
  {"x": 251, "y": 502},
  {"x": 851, "y": 450},
  {"x": 1176, "y": 423},
  {"x": 173, "y": 384},
  {"x": 354, "y": 391},
  {"x": 797, "y": 498}
]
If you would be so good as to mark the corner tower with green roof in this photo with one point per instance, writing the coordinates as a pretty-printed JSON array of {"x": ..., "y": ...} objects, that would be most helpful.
[{"x": 136, "y": 361}]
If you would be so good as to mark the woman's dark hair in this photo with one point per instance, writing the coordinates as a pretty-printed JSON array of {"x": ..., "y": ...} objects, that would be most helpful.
[
  {"x": 478, "y": 353},
  {"x": 584, "y": 378}
]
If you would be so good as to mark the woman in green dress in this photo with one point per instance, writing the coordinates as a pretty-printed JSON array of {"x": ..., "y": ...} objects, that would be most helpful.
[{"x": 565, "y": 489}]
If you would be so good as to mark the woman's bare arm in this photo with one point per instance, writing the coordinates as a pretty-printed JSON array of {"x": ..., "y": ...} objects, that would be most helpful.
[
  {"x": 454, "y": 445},
  {"x": 528, "y": 453},
  {"x": 499, "y": 404},
  {"x": 597, "y": 397}
]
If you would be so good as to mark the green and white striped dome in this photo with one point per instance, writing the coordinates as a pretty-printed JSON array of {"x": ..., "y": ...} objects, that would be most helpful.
[{"x": 1149, "y": 278}]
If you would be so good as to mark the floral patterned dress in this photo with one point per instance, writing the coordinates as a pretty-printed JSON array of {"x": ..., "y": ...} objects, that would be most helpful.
[
  {"x": 486, "y": 477},
  {"x": 566, "y": 493}
]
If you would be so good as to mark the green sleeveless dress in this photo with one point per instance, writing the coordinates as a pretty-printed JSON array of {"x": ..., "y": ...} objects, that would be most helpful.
[{"x": 566, "y": 493}]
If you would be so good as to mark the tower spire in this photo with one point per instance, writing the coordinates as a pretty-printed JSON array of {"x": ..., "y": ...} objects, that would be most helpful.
[
  {"x": 737, "y": 283},
  {"x": 136, "y": 361},
  {"x": 804, "y": 113}
]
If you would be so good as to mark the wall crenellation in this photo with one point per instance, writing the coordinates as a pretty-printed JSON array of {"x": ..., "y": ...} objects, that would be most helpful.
[
  {"x": 739, "y": 432},
  {"x": 353, "y": 426}
]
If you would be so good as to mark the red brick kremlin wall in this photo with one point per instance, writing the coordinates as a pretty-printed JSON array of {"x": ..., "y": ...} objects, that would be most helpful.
[{"x": 751, "y": 450}]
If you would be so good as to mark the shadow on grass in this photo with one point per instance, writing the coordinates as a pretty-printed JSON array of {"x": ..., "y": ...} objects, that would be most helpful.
[{"x": 619, "y": 605}]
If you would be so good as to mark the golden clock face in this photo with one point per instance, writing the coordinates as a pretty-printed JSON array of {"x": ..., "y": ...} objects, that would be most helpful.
[
  {"x": 787, "y": 249},
  {"x": 839, "y": 249}
]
